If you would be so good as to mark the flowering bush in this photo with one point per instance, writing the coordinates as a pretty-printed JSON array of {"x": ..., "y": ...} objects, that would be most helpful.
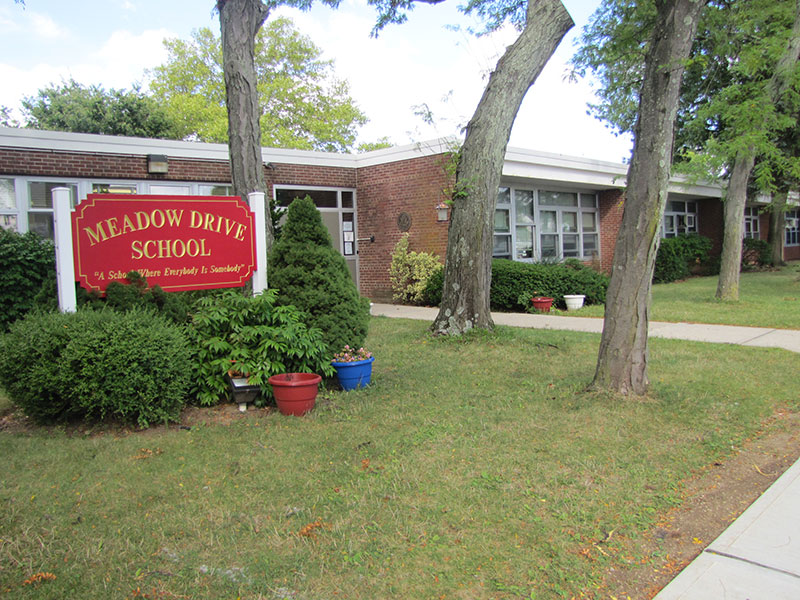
[{"x": 349, "y": 354}]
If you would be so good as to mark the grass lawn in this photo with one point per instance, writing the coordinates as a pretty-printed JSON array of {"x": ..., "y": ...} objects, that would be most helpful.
[
  {"x": 766, "y": 299},
  {"x": 469, "y": 469}
]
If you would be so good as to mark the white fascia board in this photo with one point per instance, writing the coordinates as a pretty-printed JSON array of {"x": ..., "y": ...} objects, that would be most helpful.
[
  {"x": 407, "y": 152},
  {"x": 34, "y": 139}
]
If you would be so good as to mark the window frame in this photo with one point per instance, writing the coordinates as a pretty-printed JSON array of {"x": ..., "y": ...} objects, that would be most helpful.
[
  {"x": 507, "y": 201},
  {"x": 792, "y": 234}
]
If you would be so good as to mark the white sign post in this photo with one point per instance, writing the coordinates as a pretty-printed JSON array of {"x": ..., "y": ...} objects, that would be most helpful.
[
  {"x": 257, "y": 205},
  {"x": 65, "y": 264}
]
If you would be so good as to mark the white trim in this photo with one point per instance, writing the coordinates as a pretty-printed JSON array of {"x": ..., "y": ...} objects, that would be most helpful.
[{"x": 542, "y": 167}]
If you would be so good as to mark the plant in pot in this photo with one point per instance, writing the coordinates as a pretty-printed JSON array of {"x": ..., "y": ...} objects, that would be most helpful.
[
  {"x": 251, "y": 337},
  {"x": 353, "y": 367},
  {"x": 541, "y": 302}
]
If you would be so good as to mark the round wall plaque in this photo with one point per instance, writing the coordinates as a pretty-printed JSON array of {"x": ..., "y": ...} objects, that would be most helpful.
[{"x": 404, "y": 221}]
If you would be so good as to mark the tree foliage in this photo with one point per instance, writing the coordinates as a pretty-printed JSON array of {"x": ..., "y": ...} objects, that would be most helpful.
[
  {"x": 312, "y": 275},
  {"x": 303, "y": 105},
  {"x": 74, "y": 107}
]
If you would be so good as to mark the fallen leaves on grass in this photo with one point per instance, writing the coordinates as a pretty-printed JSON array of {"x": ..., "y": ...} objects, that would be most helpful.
[
  {"x": 310, "y": 530},
  {"x": 38, "y": 578},
  {"x": 147, "y": 453}
]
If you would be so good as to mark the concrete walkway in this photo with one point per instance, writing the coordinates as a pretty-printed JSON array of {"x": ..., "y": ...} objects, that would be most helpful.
[
  {"x": 788, "y": 339},
  {"x": 758, "y": 556}
]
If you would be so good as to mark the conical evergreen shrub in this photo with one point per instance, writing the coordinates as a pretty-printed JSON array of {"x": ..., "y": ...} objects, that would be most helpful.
[{"x": 312, "y": 275}]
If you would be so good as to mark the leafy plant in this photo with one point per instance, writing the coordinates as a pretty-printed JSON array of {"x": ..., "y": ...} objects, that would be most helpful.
[
  {"x": 349, "y": 354},
  {"x": 756, "y": 253},
  {"x": 132, "y": 366},
  {"x": 515, "y": 283},
  {"x": 677, "y": 255},
  {"x": 253, "y": 336},
  {"x": 313, "y": 276},
  {"x": 26, "y": 261},
  {"x": 432, "y": 294},
  {"x": 410, "y": 271}
]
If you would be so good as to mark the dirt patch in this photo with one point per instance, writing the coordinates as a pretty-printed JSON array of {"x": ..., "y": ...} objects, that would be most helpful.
[
  {"x": 713, "y": 499},
  {"x": 221, "y": 414}
]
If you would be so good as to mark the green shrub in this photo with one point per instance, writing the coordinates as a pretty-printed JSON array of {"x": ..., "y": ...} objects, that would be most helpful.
[
  {"x": 676, "y": 257},
  {"x": 432, "y": 294},
  {"x": 515, "y": 283},
  {"x": 26, "y": 261},
  {"x": 132, "y": 366},
  {"x": 311, "y": 275},
  {"x": 410, "y": 272},
  {"x": 756, "y": 253},
  {"x": 254, "y": 336}
]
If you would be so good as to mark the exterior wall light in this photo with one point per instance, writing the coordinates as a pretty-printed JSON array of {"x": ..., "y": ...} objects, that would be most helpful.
[
  {"x": 441, "y": 211},
  {"x": 157, "y": 163}
]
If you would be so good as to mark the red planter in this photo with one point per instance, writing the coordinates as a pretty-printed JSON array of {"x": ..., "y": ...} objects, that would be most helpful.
[
  {"x": 542, "y": 303},
  {"x": 295, "y": 393}
]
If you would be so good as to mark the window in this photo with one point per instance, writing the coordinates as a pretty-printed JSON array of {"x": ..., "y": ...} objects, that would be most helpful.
[
  {"x": 793, "y": 227},
  {"x": 171, "y": 190},
  {"x": 751, "y": 223},
  {"x": 215, "y": 190},
  {"x": 337, "y": 208},
  {"x": 113, "y": 188},
  {"x": 8, "y": 204},
  {"x": 26, "y": 204},
  {"x": 532, "y": 225},
  {"x": 321, "y": 198},
  {"x": 40, "y": 205},
  {"x": 680, "y": 218}
]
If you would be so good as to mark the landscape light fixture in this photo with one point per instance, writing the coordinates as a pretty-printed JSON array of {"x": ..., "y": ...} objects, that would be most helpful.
[{"x": 243, "y": 392}]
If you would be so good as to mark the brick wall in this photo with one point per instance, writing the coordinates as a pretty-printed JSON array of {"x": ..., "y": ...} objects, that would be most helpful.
[
  {"x": 610, "y": 206},
  {"x": 709, "y": 223},
  {"x": 49, "y": 163},
  {"x": 385, "y": 191}
]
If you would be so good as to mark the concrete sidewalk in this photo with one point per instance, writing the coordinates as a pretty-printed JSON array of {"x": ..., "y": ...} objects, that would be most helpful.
[
  {"x": 758, "y": 556},
  {"x": 788, "y": 339}
]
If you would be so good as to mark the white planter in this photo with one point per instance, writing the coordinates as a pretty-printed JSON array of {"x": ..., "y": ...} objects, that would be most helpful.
[{"x": 574, "y": 301}]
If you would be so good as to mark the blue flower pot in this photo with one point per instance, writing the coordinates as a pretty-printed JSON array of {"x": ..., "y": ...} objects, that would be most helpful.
[{"x": 355, "y": 374}]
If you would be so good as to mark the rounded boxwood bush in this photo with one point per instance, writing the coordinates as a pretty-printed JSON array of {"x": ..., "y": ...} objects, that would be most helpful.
[
  {"x": 133, "y": 366},
  {"x": 312, "y": 275}
]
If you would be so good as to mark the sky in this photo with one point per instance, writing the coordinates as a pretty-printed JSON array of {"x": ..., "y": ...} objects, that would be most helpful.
[{"x": 425, "y": 61}]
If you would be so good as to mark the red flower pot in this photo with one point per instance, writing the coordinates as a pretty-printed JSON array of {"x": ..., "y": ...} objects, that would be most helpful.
[
  {"x": 542, "y": 303},
  {"x": 295, "y": 393}
]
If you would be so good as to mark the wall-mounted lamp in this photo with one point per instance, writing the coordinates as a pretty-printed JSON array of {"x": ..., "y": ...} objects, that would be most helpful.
[
  {"x": 441, "y": 211},
  {"x": 157, "y": 163}
]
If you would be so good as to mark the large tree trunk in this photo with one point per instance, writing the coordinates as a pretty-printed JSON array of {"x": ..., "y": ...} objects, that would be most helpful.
[
  {"x": 622, "y": 360},
  {"x": 240, "y": 21},
  {"x": 468, "y": 262},
  {"x": 778, "y": 85},
  {"x": 733, "y": 208},
  {"x": 777, "y": 227}
]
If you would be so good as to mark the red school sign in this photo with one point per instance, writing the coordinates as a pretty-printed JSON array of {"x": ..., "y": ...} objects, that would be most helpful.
[{"x": 178, "y": 242}]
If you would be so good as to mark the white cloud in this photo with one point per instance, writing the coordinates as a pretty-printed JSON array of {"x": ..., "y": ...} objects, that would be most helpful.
[
  {"x": 45, "y": 27},
  {"x": 124, "y": 57}
]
